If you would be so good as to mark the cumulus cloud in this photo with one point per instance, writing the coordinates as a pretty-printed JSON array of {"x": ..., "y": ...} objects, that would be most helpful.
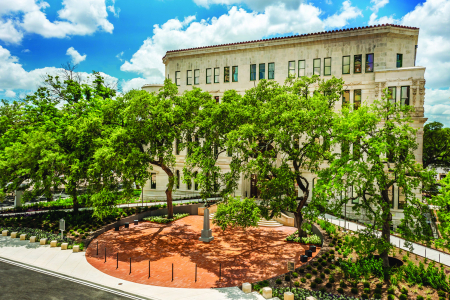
[
  {"x": 347, "y": 12},
  {"x": 257, "y": 5},
  {"x": 75, "y": 55},
  {"x": 134, "y": 84},
  {"x": 10, "y": 94},
  {"x": 236, "y": 25},
  {"x": 77, "y": 17},
  {"x": 377, "y": 4},
  {"x": 112, "y": 9}
]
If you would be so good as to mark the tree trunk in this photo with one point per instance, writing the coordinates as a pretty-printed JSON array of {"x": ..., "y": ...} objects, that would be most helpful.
[
  {"x": 169, "y": 191},
  {"x": 299, "y": 215},
  {"x": 386, "y": 237},
  {"x": 75, "y": 201}
]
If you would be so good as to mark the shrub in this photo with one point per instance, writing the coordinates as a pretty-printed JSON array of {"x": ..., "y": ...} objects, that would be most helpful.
[
  {"x": 319, "y": 267},
  {"x": 301, "y": 270},
  {"x": 354, "y": 290},
  {"x": 327, "y": 271},
  {"x": 303, "y": 279},
  {"x": 297, "y": 284},
  {"x": 366, "y": 284},
  {"x": 287, "y": 278},
  {"x": 331, "y": 280},
  {"x": 318, "y": 280},
  {"x": 315, "y": 264},
  {"x": 278, "y": 281},
  {"x": 379, "y": 285},
  {"x": 308, "y": 267},
  {"x": 391, "y": 297},
  {"x": 441, "y": 293},
  {"x": 323, "y": 290},
  {"x": 320, "y": 260},
  {"x": 403, "y": 297},
  {"x": 340, "y": 290},
  {"x": 294, "y": 274},
  {"x": 324, "y": 263},
  {"x": 328, "y": 285},
  {"x": 332, "y": 251},
  {"x": 377, "y": 291},
  {"x": 366, "y": 290},
  {"x": 420, "y": 297},
  {"x": 322, "y": 275},
  {"x": 308, "y": 275},
  {"x": 377, "y": 296},
  {"x": 364, "y": 296},
  {"x": 390, "y": 290},
  {"x": 313, "y": 285},
  {"x": 314, "y": 272},
  {"x": 442, "y": 298},
  {"x": 329, "y": 259},
  {"x": 332, "y": 267},
  {"x": 404, "y": 291},
  {"x": 342, "y": 284}
]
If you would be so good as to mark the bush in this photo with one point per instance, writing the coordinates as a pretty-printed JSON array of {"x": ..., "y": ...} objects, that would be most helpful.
[
  {"x": 441, "y": 293},
  {"x": 391, "y": 297},
  {"x": 278, "y": 281},
  {"x": 303, "y": 279},
  {"x": 379, "y": 285},
  {"x": 314, "y": 272},
  {"x": 420, "y": 297},
  {"x": 377, "y": 296},
  {"x": 313, "y": 285},
  {"x": 403, "y": 297},
  {"x": 164, "y": 220},
  {"x": 322, "y": 275},
  {"x": 377, "y": 291},
  {"x": 301, "y": 270},
  {"x": 390, "y": 290},
  {"x": 328, "y": 285},
  {"x": 294, "y": 274},
  {"x": 366, "y": 290},
  {"x": 297, "y": 284},
  {"x": 332, "y": 267},
  {"x": 308, "y": 267},
  {"x": 332, "y": 251},
  {"x": 308, "y": 275},
  {"x": 364, "y": 296},
  {"x": 287, "y": 278},
  {"x": 319, "y": 267},
  {"x": 366, "y": 284},
  {"x": 331, "y": 280},
  {"x": 323, "y": 290},
  {"x": 340, "y": 290},
  {"x": 318, "y": 280},
  {"x": 404, "y": 291},
  {"x": 442, "y": 298},
  {"x": 354, "y": 290},
  {"x": 324, "y": 264},
  {"x": 327, "y": 271},
  {"x": 320, "y": 260},
  {"x": 315, "y": 264}
]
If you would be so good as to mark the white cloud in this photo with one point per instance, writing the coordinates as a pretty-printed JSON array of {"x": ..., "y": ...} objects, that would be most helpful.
[
  {"x": 25, "y": 51},
  {"x": 10, "y": 94},
  {"x": 77, "y": 17},
  {"x": 377, "y": 4},
  {"x": 119, "y": 56},
  {"x": 236, "y": 25},
  {"x": 341, "y": 19},
  {"x": 135, "y": 83},
  {"x": 112, "y": 9},
  {"x": 257, "y": 5},
  {"x": 76, "y": 57}
]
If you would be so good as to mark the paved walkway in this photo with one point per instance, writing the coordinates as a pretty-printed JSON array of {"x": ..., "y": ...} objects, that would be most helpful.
[
  {"x": 74, "y": 267},
  {"x": 232, "y": 258},
  {"x": 429, "y": 253}
]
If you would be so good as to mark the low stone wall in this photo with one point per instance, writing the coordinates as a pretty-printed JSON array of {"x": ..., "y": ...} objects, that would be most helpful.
[
  {"x": 285, "y": 220},
  {"x": 212, "y": 210},
  {"x": 191, "y": 209}
]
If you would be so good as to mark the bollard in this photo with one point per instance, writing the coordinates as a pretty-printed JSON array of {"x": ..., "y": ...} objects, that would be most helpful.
[
  {"x": 117, "y": 261},
  {"x": 246, "y": 288},
  {"x": 149, "y": 268},
  {"x": 105, "y": 254},
  {"x": 97, "y": 248},
  {"x": 220, "y": 271},
  {"x": 130, "y": 265},
  {"x": 288, "y": 296},
  {"x": 172, "y": 271},
  {"x": 267, "y": 293}
]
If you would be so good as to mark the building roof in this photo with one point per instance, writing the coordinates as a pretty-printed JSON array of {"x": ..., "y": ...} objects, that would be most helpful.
[{"x": 293, "y": 36}]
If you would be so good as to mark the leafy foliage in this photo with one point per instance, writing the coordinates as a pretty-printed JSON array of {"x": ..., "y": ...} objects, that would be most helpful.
[
  {"x": 235, "y": 212},
  {"x": 165, "y": 219},
  {"x": 436, "y": 145}
]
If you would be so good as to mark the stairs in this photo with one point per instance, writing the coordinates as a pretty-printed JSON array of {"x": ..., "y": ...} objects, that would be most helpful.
[{"x": 261, "y": 223}]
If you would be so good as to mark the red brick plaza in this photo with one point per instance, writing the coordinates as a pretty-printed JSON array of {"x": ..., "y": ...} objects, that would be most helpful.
[{"x": 253, "y": 255}]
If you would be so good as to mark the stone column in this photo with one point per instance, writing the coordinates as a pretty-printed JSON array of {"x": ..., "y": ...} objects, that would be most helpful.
[
  {"x": 18, "y": 199},
  {"x": 206, "y": 231}
]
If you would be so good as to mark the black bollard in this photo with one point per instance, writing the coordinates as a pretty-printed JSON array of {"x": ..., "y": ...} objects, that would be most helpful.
[
  {"x": 117, "y": 261},
  {"x": 130, "y": 265},
  {"x": 195, "y": 272},
  {"x": 97, "y": 248},
  {"x": 149, "y": 268},
  {"x": 105, "y": 254},
  {"x": 172, "y": 271},
  {"x": 220, "y": 271}
]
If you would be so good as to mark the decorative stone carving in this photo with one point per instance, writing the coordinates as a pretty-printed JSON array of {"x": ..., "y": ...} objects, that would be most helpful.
[
  {"x": 383, "y": 85},
  {"x": 415, "y": 82},
  {"x": 414, "y": 90},
  {"x": 377, "y": 89}
]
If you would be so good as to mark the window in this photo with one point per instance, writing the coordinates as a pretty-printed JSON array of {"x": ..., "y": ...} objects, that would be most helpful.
[
  {"x": 346, "y": 64},
  {"x": 401, "y": 199},
  {"x": 369, "y": 63},
  {"x": 253, "y": 72},
  {"x": 271, "y": 74},
  {"x": 356, "y": 99},
  {"x": 391, "y": 196},
  {"x": 262, "y": 71},
  {"x": 217, "y": 99},
  {"x": 153, "y": 181},
  {"x": 399, "y": 60},
  {"x": 357, "y": 63},
  {"x": 291, "y": 69},
  {"x": 327, "y": 66},
  {"x": 226, "y": 74},
  {"x": 353, "y": 196},
  {"x": 177, "y": 175},
  {"x": 177, "y": 78},
  {"x": 346, "y": 98},
  {"x": 301, "y": 68},
  {"x": 216, "y": 75},
  {"x": 177, "y": 148},
  {"x": 189, "y": 77},
  {"x": 316, "y": 63},
  {"x": 404, "y": 97},
  {"x": 196, "y": 76},
  {"x": 392, "y": 94},
  {"x": 208, "y": 75},
  {"x": 235, "y": 74},
  {"x": 189, "y": 184}
]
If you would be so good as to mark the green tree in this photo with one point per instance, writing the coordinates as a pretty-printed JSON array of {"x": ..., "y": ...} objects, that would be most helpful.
[
  {"x": 442, "y": 203},
  {"x": 237, "y": 213},
  {"x": 382, "y": 156},
  {"x": 436, "y": 145},
  {"x": 285, "y": 136}
]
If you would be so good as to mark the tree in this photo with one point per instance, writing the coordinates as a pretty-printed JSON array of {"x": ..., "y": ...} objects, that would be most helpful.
[
  {"x": 382, "y": 157},
  {"x": 436, "y": 145},
  {"x": 285, "y": 136},
  {"x": 237, "y": 213},
  {"x": 442, "y": 203}
]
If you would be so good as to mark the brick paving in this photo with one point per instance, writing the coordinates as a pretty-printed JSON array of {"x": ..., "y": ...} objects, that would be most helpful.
[{"x": 253, "y": 255}]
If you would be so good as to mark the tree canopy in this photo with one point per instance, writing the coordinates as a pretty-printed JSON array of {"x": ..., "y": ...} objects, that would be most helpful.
[{"x": 436, "y": 145}]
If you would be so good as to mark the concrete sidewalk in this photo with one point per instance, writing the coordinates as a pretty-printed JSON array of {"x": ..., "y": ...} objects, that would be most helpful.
[
  {"x": 429, "y": 253},
  {"x": 74, "y": 267}
]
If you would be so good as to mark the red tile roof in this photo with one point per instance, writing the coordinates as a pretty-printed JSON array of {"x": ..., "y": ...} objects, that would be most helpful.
[{"x": 292, "y": 36}]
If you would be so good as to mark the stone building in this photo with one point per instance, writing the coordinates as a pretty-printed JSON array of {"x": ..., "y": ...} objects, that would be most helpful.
[{"x": 369, "y": 59}]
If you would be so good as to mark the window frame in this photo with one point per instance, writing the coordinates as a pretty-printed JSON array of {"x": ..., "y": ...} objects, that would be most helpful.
[
  {"x": 268, "y": 71},
  {"x": 216, "y": 75},
  {"x": 316, "y": 68},
  {"x": 345, "y": 103},
  {"x": 153, "y": 182},
  {"x": 343, "y": 64},
  {"x": 393, "y": 94},
  {"x": 408, "y": 95},
  {"x": 399, "y": 60},
  {"x": 291, "y": 71},
  {"x": 354, "y": 98},
  {"x": 177, "y": 78},
  {"x": 196, "y": 76},
  {"x": 304, "y": 68},
  {"x": 253, "y": 72},
  {"x": 367, "y": 63},
  {"x": 325, "y": 66},
  {"x": 210, "y": 75},
  {"x": 233, "y": 68},
  {"x": 360, "y": 63},
  {"x": 225, "y": 69},
  {"x": 188, "y": 72},
  {"x": 263, "y": 71}
]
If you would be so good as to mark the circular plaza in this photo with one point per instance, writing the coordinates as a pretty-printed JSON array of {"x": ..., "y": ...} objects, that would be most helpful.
[{"x": 233, "y": 257}]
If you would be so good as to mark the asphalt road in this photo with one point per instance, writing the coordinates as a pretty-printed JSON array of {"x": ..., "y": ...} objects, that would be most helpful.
[{"x": 20, "y": 283}]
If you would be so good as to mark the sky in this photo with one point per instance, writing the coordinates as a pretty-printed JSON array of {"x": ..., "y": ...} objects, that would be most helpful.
[{"x": 126, "y": 40}]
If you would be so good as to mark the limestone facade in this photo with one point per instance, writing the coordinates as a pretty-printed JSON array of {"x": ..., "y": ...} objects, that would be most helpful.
[{"x": 371, "y": 54}]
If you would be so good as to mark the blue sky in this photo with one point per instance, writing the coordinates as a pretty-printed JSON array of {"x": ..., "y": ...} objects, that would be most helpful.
[{"x": 126, "y": 40}]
